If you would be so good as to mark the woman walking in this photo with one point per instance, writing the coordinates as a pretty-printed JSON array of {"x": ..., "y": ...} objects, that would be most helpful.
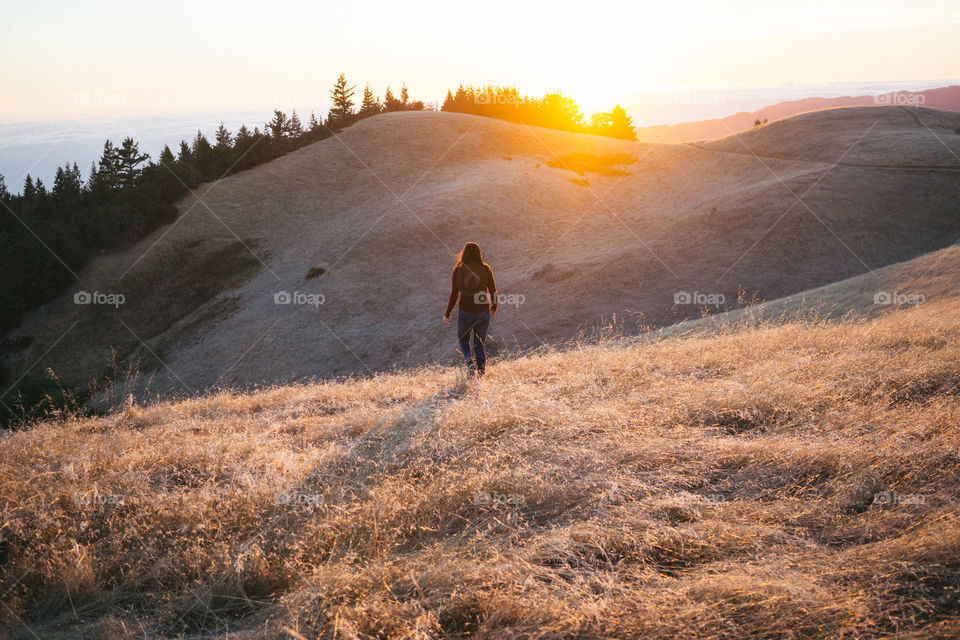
[{"x": 473, "y": 285}]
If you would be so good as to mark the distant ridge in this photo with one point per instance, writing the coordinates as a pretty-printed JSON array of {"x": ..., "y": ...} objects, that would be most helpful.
[{"x": 945, "y": 98}]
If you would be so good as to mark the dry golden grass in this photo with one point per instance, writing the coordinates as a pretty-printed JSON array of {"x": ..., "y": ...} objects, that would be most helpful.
[{"x": 793, "y": 481}]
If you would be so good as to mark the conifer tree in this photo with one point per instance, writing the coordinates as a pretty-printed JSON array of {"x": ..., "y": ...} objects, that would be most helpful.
[
  {"x": 341, "y": 113},
  {"x": 371, "y": 104},
  {"x": 621, "y": 125},
  {"x": 224, "y": 141},
  {"x": 67, "y": 184},
  {"x": 294, "y": 127},
  {"x": 278, "y": 125},
  {"x": 92, "y": 178},
  {"x": 390, "y": 103},
  {"x": 29, "y": 191},
  {"x": 166, "y": 157},
  {"x": 184, "y": 155},
  {"x": 108, "y": 169},
  {"x": 129, "y": 159}
]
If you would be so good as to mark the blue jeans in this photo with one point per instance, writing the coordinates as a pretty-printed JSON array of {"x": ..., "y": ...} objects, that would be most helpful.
[{"x": 473, "y": 325}]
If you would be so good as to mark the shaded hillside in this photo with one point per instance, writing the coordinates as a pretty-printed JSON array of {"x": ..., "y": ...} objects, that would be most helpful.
[
  {"x": 795, "y": 481},
  {"x": 932, "y": 277},
  {"x": 944, "y": 98},
  {"x": 364, "y": 227}
]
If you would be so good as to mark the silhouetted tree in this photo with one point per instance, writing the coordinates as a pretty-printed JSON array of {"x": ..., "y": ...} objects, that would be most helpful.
[
  {"x": 67, "y": 184},
  {"x": 557, "y": 111},
  {"x": 370, "y": 106},
  {"x": 222, "y": 151},
  {"x": 278, "y": 126},
  {"x": 129, "y": 160},
  {"x": 184, "y": 155},
  {"x": 621, "y": 124},
  {"x": 29, "y": 190},
  {"x": 241, "y": 146},
  {"x": 341, "y": 113},
  {"x": 409, "y": 105},
  {"x": 166, "y": 156},
  {"x": 107, "y": 177},
  {"x": 615, "y": 124},
  {"x": 294, "y": 127},
  {"x": 390, "y": 103},
  {"x": 92, "y": 177},
  {"x": 224, "y": 141},
  {"x": 187, "y": 169}
]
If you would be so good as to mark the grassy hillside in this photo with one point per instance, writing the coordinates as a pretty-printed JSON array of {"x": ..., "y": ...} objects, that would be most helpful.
[
  {"x": 930, "y": 277},
  {"x": 781, "y": 481},
  {"x": 578, "y": 228}
]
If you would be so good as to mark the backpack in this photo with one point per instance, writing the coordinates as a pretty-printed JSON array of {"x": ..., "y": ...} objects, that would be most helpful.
[{"x": 472, "y": 279}]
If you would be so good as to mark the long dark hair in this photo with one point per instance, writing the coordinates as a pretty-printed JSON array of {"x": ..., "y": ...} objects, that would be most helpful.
[{"x": 470, "y": 254}]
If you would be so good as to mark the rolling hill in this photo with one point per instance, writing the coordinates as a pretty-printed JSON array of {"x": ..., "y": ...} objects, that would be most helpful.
[
  {"x": 943, "y": 98},
  {"x": 359, "y": 231}
]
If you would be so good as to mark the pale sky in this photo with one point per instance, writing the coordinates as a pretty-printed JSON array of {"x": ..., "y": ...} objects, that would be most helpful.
[{"x": 66, "y": 59}]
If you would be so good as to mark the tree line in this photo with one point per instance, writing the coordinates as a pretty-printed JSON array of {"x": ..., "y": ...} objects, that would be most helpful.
[{"x": 554, "y": 110}]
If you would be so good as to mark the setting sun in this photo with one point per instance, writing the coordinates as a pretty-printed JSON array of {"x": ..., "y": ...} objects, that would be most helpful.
[{"x": 218, "y": 55}]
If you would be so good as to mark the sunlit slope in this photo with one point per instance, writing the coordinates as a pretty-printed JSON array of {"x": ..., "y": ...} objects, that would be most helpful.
[
  {"x": 577, "y": 228},
  {"x": 907, "y": 137},
  {"x": 780, "y": 481}
]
